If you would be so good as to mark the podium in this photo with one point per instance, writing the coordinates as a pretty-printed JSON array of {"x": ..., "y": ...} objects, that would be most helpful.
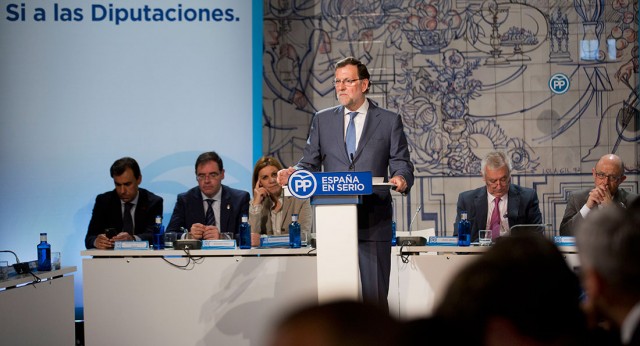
[
  {"x": 335, "y": 196},
  {"x": 336, "y": 225}
]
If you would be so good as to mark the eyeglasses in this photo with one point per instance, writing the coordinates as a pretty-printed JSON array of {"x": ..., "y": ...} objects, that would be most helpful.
[
  {"x": 348, "y": 82},
  {"x": 609, "y": 177},
  {"x": 210, "y": 176},
  {"x": 502, "y": 181}
]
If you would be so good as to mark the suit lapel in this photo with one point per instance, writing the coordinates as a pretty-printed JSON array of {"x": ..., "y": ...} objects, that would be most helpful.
[
  {"x": 225, "y": 208},
  {"x": 286, "y": 210},
  {"x": 370, "y": 125},
  {"x": 481, "y": 208},
  {"x": 197, "y": 213},
  {"x": 512, "y": 205}
]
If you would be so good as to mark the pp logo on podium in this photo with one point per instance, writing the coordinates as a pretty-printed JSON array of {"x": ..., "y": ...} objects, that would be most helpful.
[
  {"x": 302, "y": 184},
  {"x": 559, "y": 83}
]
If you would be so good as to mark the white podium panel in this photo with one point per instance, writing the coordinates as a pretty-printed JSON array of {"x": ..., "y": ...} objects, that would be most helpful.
[
  {"x": 337, "y": 242},
  {"x": 222, "y": 300}
]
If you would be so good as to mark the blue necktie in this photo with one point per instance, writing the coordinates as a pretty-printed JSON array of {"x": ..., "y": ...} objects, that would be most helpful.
[
  {"x": 209, "y": 218},
  {"x": 350, "y": 139}
]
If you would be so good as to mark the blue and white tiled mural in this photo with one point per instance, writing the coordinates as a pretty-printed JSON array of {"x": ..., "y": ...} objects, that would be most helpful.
[{"x": 468, "y": 77}]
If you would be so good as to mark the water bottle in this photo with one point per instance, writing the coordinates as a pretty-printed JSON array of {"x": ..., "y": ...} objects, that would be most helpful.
[
  {"x": 245, "y": 233},
  {"x": 464, "y": 230},
  {"x": 44, "y": 254},
  {"x": 294, "y": 232},
  {"x": 158, "y": 234},
  {"x": 394, "y": 240}
]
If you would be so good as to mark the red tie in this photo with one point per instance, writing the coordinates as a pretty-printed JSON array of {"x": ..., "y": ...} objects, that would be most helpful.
[{"x": 495, "y": 220}]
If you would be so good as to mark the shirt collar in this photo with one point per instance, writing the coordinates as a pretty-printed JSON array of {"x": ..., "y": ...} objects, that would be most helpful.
[
  {"x": 361, "y": 110},
  {"x": 216, "y": 196},
  {"x": 133, "y": 201}
]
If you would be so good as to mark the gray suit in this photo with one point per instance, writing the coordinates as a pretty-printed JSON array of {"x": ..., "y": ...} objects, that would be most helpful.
[
  {"x": 383, "y": 150},
  {"x": 577, "y": 200}
]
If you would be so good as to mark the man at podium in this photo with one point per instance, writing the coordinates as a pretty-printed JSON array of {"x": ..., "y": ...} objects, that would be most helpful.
[{"x": 358, "y": 135}]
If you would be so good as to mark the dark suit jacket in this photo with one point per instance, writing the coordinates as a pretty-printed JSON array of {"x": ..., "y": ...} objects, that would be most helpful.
[
  {"x": 577, "y": 200},
  {"x": 382, "y": 149},
  {"x": 522, "y": 208},
  {"x": 189, "y": 210},
  {"x": 107, "y": 213}
]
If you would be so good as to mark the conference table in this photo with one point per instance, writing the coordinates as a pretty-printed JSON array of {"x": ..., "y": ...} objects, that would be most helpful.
[
  {"x": 38, "y": 313},
  {"x": 236, "y": 297}
]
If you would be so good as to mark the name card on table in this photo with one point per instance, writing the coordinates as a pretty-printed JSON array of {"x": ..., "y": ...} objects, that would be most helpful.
[
  {"x": 451, "y": 241},
  {"x": 131, "y": 245},
  {"x": 219, "y": 244},
  {"x": 564, "y": 240},
  {"x": 274, "y": 241}
]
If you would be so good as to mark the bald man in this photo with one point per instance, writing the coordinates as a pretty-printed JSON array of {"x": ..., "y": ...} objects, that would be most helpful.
[{"x": 608, "y": 174}]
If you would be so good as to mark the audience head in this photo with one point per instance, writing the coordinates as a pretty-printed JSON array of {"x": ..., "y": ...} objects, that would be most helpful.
[
  {"x": 209, "y": 173},
  {"x": 126, "y": 178},
  {"x": 609, "y": 251},
  {"x": 609, "y": 172},
  {"x": 341, "y": 323},
  {"x": 266, "y": 173},
  {"x": 520, "y": 291},
  {"x": 496, "y": 173}
]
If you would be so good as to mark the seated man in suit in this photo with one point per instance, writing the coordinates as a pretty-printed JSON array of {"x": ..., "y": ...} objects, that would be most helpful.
[
  {"x": 129, "y": 210},
  {"x": 209, "y": 208},
  {"x": 499, "y": 205},
  {"x": 608, "y": 174}
]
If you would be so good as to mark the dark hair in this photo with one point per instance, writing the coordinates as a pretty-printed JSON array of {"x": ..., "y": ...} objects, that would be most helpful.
[
  {"x": 209, "y": 156},
  {"x": 363, "y": 73},
  {"x": 523, "y": 279},
  {"x": 121, "y": 165},
  {"x": 262, "y": 163}
]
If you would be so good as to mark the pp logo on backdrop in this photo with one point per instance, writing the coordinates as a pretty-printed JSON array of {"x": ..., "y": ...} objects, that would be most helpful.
[
  {"x": 302, "y": 184},
  {"x": 559, "y": 83}
]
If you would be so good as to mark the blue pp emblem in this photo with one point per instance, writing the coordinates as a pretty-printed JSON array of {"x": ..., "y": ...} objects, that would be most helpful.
[
  {"x": 302, "y": 184},
  {"x": 559, "y": 83}
]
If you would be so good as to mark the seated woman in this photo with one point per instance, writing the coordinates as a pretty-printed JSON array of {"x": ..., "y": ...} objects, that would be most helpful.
[{"x": 270, "y": 211}]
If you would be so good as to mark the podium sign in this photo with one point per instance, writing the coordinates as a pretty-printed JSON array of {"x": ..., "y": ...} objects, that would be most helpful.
[
  {"x": 335, "y": 198},
  {"x": 304, "y": 184}
]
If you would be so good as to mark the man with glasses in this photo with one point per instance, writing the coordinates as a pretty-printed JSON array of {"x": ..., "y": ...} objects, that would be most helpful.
[
  {"x": 607, "y": 175},
  {"x": 498, "y": 205},
  {"x": 358, "y": 135},
  {"x": 209, "y": 208}
]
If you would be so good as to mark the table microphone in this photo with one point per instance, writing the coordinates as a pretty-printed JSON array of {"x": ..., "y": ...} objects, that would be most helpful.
[{"x": 412, "y": 241}]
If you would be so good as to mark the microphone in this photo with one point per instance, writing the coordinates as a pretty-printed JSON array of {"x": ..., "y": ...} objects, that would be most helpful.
[
  {"x": 414, "y": 217},
  {"x": 412, "y": 241}
]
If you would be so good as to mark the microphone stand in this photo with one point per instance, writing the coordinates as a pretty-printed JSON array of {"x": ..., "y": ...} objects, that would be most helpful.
[{"x": 410, "y": 240}]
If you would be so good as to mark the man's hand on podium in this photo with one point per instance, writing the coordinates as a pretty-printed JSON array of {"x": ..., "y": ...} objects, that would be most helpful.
[
  {"x": 399, "y": 182},
  {"x": 284, "y": 174}
]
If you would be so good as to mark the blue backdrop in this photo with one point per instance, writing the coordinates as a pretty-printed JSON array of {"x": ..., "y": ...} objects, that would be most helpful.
[{"x": 86, "y": 82}]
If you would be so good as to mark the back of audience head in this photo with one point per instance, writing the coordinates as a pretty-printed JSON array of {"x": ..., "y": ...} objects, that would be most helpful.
[
  {"x": 340, "y": 323},
  {"x": 520, "y": 291},
  {"x": 609, "y": 250}
]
